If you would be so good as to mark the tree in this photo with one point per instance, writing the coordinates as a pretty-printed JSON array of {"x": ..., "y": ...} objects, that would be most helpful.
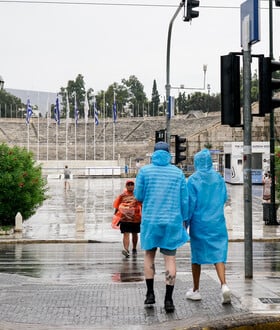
[
  {"x": 8, "y": 102},
  {"x": 74, "y": 87},
  {"x": 202, "y": 102},
  {"x": 182, "y": 103},
  {"x": 155, "y": 101},
  {"x": 136, "y": 92},
  {"x": 23, "y": 189}
]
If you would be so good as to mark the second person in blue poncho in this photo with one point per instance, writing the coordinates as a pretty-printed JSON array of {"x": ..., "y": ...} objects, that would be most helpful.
[
  {"x": 206, "y": 221},
  {"x": 162, "y": 189}
]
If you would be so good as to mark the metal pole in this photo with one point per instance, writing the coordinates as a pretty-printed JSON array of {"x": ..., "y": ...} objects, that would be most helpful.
[
  {"x": 247, "y": 151},
  {"x": 168, "y": 86},
  {"x": 272, "y": 213}
]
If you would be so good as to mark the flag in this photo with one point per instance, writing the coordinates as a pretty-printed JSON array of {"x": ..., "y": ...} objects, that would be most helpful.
[
  {"x": 86, "y": 108},
  {"x": 67, "y": 109},
  {"x": 56, "y": 111},
  {"x": 95, "y": 111},
  {"x": 76, "y": 111},
  {"x": 114, "y": 111},
  {"x": 29, "y": 112}
]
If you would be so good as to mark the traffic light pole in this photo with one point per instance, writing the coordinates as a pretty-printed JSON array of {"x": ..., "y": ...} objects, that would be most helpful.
[
  {"x": 272, "y": 212},
  {"x": 168, "y": 86}
]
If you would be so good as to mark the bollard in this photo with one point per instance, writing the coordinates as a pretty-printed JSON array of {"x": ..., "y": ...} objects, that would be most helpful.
[
  {"x": 18, "y": 226},
  {"x": 80, "y": 219},
  {"x": 228, "y": 216}
]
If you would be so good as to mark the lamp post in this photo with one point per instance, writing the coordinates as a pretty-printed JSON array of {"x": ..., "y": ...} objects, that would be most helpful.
[
  {"x": 208, "y": 103},
  {"x": 1, "y": 83}
]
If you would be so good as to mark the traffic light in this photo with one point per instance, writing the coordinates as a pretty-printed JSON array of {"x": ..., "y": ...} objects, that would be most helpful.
[
  {"x": 179, "y": 148},
  {"x": 160, "y": 135},
  {"x": 268, "y": 85},
  {"x": 190, "y": 12},
  {"x": 230, "y": 90},
  {"x": 277, "y": 3}
]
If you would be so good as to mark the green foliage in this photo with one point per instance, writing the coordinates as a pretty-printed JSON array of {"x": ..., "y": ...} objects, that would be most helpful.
[
  {"x": 155, "y": 99},
  {"x": 23, "y": 189},
  {"x": 9, "y": 102},
  {"x": 199, "y": 101}
]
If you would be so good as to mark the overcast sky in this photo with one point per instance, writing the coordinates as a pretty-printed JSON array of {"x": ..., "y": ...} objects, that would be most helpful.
[{"x": 44, "y": 45}]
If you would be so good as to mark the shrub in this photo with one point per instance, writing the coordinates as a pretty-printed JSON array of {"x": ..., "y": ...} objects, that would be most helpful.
[{"x": 22, "y": 187}]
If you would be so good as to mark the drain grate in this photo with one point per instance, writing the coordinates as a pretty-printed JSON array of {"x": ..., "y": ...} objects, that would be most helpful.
[{"x": 270, "y": 300}]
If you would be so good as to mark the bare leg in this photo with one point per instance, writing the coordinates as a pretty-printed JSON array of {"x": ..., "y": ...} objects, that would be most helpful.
[
  {"x": 196, "y": 270},
  {"x": 149, "y": 265},
  {"x": 126, "y": 241},
  {"x": 170, "y": 269},
  {"x": 134, "y": 240},
  {"x": 220, "y": 269}
]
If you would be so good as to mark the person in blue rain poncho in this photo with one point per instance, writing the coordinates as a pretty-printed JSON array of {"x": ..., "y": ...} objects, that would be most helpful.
[
  {"x": 162, "y": 189},
  {"x": 206, "y": 222}
]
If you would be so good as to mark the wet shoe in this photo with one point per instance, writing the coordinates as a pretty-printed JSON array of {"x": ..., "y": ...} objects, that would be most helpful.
[
  {"x": 150, "y": 300},
  {"x": 193, "y": 295},
  {"x": 125, "y": 253},
  {"x": 169, "y": 306},
  {"x": 134, "y": 251},
  {"x": 226, "y": 294}
]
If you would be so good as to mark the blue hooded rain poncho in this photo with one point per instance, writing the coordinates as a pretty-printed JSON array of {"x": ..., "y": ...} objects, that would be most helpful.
[
  {"x": 162, "y": 189},
  {"x": 206, "y": 221}
]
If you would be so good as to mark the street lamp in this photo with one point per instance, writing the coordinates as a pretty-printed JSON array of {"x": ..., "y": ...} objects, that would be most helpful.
[
  {"x": 208, "y": 103},
  {"x": 1, "y": 83}
]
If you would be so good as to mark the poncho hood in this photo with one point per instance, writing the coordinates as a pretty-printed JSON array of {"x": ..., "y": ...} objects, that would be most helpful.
[
  {"x": 161, "y": 158},
  {"x": 203, "y": 161}
]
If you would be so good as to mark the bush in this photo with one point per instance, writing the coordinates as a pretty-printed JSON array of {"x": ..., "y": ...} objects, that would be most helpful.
[{"x": 22, "y": 187}]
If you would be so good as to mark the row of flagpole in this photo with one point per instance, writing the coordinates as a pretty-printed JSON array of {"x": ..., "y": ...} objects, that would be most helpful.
[{"x": 56, "y": 113}]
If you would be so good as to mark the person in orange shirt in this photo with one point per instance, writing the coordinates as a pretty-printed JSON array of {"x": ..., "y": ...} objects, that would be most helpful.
[{"x": 127, "y": 217}]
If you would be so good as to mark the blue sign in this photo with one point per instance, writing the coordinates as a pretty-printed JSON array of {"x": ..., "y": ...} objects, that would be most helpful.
[{"x": 250, "y": 12}]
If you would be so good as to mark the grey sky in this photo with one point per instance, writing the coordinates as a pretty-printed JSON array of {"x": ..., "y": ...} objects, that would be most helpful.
[{"x": 45, "y": 45}]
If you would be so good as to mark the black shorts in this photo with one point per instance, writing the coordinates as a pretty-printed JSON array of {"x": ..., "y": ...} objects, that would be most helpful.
[{"x": 129, "y": 227}]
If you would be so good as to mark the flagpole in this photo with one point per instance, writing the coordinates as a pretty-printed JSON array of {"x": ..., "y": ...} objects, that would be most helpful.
[
  {"x": 38, "y": 132},
  {"x": 94, "y": 124},
  {"x": 48, "y": 128},
  {"x": 104, "y": 130},
  {"x": 114, "y": 121},
  {"x": 38, "y": 138},
  {"x": 66, "y": 125},
  {"x": 56, "y": 140},
  {"x": 75, "y": 113},
  {"x": 27, "y": 120},
  {"x": 86, "y": 110},
  {"x": 85, "y": 140}
]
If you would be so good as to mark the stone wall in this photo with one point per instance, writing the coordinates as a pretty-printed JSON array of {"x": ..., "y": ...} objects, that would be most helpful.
[{"x": 134, "y": 137}]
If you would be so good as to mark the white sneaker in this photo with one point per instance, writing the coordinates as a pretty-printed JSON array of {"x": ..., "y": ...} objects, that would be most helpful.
[
  {"x": 193, "y": 295},
  {"x": 226, "y": 299}
]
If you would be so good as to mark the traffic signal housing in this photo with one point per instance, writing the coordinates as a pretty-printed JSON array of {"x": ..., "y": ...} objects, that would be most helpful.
[
  {"x": 189, "y": 12},
  {"x": 230, "y": 90},
  {"x": 179, "y": 149},
  {"x": 160, "y": 135},
  {"x": 268, "y": 85}
]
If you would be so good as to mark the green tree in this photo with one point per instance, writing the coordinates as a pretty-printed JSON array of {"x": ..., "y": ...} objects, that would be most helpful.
[
  {"x": 10, "y": 105},
  {"x": 155, "y": 101},
  {"x": 74, "y": 88},
  {"x": 203, "y": 102},
  {"x": 137, "y": 96},
  {"x": 23, "y": 189},
  {"x": 181, "y": 102}
]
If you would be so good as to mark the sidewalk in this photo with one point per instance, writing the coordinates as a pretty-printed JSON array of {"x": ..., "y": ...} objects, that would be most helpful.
[{"x": 71, "y": 284}]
